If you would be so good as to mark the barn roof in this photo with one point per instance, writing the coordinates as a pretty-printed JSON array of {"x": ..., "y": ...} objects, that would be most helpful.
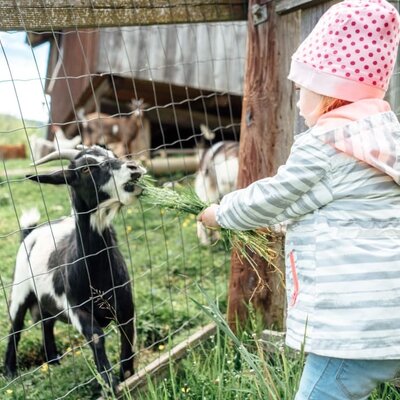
[{"x": 207, "y": 56}]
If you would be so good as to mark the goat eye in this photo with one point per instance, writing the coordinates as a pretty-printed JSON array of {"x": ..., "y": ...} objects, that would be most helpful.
[{"x": 85, "y": 170}]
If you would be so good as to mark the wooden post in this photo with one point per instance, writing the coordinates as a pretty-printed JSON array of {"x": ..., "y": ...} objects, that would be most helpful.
[{"x": 268, "y": 116}]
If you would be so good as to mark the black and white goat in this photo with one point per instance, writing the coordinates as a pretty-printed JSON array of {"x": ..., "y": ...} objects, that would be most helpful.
[
  {"x": 72, "y": 269},
  {"x": 216, "y": 176}
]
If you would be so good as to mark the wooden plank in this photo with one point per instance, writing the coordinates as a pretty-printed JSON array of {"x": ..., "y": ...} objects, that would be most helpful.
[
  {"x": 104, "y": 3},
  {"x": 156, "y": 367},
  {"x": 73, "y": 73},
  {"x": 272, "y": 340},
  {"x": 286, "y": 6},
  {"x": 157, "y": 166},
  {"x": 45, "y": 15},
  {"x": 168, "y": 152},
  {"x": 171, "y": 165}
]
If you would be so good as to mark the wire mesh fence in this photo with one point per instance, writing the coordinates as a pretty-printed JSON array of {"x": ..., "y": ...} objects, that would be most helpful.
[{"x": 160, "y": 95}]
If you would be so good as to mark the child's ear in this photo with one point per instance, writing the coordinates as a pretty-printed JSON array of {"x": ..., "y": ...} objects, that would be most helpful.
[{"x": 62, "y": 177}]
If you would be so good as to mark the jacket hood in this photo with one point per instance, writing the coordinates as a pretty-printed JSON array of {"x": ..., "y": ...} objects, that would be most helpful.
[{"x": 367, "y": 130}]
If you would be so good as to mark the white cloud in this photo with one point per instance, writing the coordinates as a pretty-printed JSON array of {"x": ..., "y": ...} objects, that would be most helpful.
[{"x": 22, "y": 73}]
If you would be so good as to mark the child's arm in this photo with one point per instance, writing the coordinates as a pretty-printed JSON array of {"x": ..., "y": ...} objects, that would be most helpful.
[{"x": 297, "y": 189}]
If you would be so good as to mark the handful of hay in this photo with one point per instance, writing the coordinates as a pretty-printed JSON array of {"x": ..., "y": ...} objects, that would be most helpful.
[{"x": 258, "y": 242}]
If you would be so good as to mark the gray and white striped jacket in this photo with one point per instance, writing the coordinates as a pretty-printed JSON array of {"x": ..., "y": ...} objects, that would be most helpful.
[{"x": 343, "y": 238}]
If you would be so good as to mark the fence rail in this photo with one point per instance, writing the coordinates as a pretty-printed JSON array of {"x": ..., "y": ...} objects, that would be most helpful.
[{"x": 62, "y": 14}]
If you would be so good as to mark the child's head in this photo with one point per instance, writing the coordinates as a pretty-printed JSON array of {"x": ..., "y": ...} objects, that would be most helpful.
[
  {"x": 312, "y": 105},
  {"x": 351, "y": 52}
]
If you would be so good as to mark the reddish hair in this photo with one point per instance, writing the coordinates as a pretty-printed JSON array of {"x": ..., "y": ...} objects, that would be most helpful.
[{"x": 330, "y": 103}]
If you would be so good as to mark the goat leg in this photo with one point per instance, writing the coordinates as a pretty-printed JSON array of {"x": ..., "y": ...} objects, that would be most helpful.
[
  {"x": 95, "y": 337},
  {"x": 49, "y": 343},
  {"x": 17, "y": 313},
  {"x": 127, "y": 332}
]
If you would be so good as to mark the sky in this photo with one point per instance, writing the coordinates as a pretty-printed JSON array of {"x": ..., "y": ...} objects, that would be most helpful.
[{"x": 22, "y": 73}]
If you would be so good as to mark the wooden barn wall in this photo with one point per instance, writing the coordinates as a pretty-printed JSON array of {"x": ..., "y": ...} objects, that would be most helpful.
[
  {"x": 208, "y": 56},
  {"x": 289, "y": 31},
  {"x": 72, "y": 74}
]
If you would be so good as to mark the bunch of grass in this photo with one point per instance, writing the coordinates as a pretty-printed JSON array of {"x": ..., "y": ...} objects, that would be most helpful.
[{"x": 245, "y": 243}]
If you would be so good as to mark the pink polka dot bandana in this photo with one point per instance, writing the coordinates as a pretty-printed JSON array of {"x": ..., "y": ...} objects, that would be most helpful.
[{"x": 351, "y": 52}]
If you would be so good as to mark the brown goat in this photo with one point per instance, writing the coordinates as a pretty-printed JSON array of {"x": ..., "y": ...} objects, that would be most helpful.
[
  {"x": 117, "y": 133},
  {"x": 9, "y": 151}
]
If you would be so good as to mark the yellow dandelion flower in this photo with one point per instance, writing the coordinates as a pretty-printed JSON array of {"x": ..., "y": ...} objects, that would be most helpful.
[
  {"x": 9, "y": 391},
  {"x": 44, "y": 368},
  {"x": 69, "y": 349},
  {"x": 128, "y": 229},
  {"x": 129, "y": 211},
  {"x": 161, "y": 347},
  {"x": 77, "y": 352},
  {"x": 188, "y": 221}
]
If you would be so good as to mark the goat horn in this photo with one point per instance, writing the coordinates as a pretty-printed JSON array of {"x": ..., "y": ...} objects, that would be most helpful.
[{"x": 65, "y": 154}]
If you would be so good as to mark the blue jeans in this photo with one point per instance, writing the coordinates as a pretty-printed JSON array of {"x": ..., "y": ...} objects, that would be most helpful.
[{"x": 326, "y": 378}]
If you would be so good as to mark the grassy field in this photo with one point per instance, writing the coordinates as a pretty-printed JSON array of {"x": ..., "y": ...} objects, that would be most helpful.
[{"x": 14, "y": 131}]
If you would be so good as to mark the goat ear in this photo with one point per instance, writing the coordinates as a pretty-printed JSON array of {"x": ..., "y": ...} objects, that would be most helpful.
[{"x": 62, "y": 177}]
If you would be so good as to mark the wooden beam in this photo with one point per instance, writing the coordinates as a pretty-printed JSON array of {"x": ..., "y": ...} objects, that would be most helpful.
[
  {"x": 171, "y": 165},
  {"x": 188, "y": 118},
  {"x": 156, "y": 367},
  {"x": 286, "y": 6},
  {"x": 268, "y": 115},
  {"x": 272, "y": 340},
  {"x": 43, "y": 15}
]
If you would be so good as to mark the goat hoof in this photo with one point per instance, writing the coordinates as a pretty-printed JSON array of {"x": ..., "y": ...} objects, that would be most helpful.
[
  {"x": 51, "y": 357},
  {"x": 115, "y": 384},
  {"x": 110, "y": 390},
  {"x": 54, "y": 360},
  {"x": 123, "y": 375},
  {"x": 111, "y": 383}
]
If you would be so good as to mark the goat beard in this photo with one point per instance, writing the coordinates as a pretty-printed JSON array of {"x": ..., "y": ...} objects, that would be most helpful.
[{"x": 106, "y": 211}]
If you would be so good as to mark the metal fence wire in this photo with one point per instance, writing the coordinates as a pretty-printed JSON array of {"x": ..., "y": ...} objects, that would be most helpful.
[{"x": 158, "y": 95}]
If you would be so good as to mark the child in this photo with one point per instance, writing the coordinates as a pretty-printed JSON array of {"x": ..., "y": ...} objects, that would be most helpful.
[{"x": 339, "y": 190}]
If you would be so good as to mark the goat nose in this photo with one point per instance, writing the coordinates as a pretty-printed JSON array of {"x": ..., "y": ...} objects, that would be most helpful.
[
  {"x": 135, "y": 176},
  {"x": 136, "y": 168}
]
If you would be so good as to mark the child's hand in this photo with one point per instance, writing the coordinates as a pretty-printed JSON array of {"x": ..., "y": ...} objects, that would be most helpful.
[{"x": 208, "y": 217}]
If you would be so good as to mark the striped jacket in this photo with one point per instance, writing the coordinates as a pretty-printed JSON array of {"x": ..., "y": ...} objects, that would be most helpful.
[{"x": 338, "y": 191}]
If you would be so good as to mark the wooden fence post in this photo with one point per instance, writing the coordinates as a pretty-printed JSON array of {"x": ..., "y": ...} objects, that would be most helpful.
[{"x": 268, "y": 116}]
